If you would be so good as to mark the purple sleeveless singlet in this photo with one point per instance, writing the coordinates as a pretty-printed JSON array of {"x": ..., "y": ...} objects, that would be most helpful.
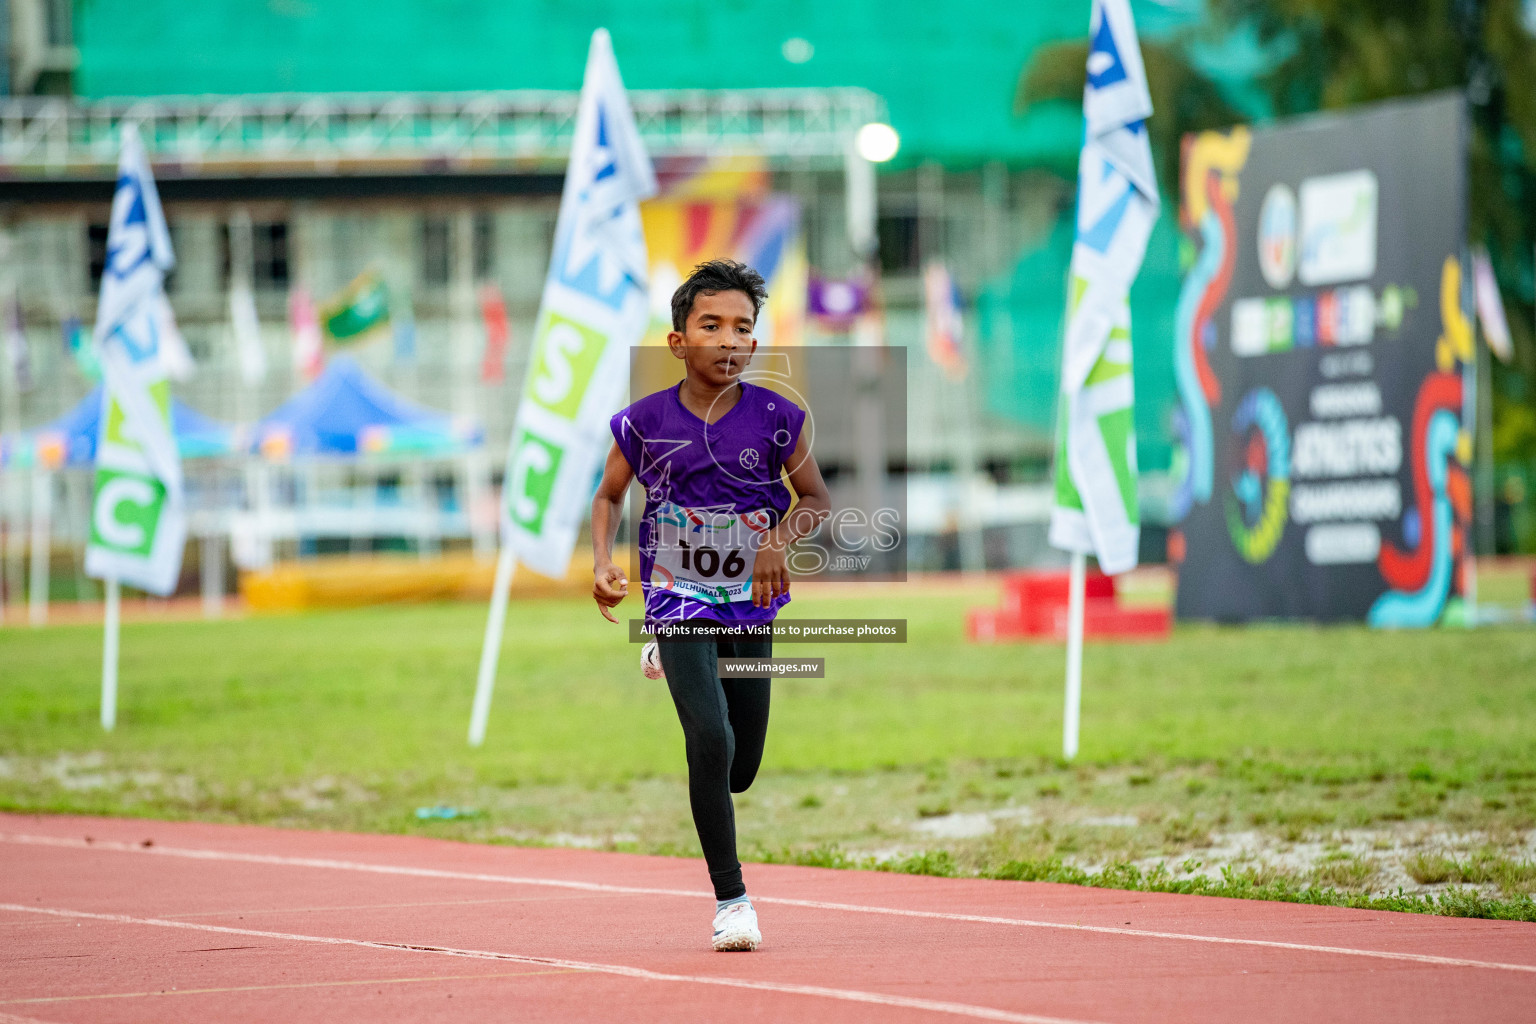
[{"x": 701, "y": 480}]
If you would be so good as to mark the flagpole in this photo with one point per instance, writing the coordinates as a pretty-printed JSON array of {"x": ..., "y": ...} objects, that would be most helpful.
[
  {"x": 490, "y": 650},
  {"x": 1074, "y": 698},
  {"x": 42, "y": 545},
  {"x": 109, "y": 655},
  {"x": 1482, "y": 462}
]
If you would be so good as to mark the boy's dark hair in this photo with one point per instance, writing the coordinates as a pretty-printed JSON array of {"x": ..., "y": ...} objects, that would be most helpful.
[{"x": 717, "y": 276}]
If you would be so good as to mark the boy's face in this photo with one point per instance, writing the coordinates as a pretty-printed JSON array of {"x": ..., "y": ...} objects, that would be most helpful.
[{"x": 717, "y": 340}]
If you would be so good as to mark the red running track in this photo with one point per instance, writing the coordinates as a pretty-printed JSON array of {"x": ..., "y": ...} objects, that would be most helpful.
[{"x": 118, "y": 920}]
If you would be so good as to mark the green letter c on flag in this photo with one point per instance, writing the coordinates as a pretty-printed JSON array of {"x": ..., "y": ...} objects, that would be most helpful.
[
  {"x": 126, "y": 512},
  {"x": 531, "y": 480}
]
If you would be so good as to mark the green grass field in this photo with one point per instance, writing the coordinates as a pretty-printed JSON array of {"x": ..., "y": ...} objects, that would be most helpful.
[{"x": 1294, "y": 759}]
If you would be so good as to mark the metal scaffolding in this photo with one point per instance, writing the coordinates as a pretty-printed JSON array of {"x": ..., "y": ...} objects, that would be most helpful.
[{"x": 515, "y": 131}]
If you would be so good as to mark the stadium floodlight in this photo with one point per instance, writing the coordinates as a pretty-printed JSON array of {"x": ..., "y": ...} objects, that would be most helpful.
[{"x": 877, "y": 142}]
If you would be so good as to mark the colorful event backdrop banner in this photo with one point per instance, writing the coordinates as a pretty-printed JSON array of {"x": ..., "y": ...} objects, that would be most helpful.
[
  {"x": 1325, "y": 369},
  {"x": 763, "y": 232}
]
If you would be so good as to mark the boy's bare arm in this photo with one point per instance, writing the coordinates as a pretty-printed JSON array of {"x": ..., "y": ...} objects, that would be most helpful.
[
  {"x": 609, "y": 585},
  {"x": 814, "y": 502},
  {"x": 770, "y": 573}
]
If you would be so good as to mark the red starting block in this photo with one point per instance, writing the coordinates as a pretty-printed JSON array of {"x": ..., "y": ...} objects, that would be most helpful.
[{"x": 1036, "y": 604}]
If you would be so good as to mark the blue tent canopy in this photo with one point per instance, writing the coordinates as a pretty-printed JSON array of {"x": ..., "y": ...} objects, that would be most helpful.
[
  {"x": 199, "y": 436},
  {"x": 346, "y": 412},
  {"x": 70, "y": 440}
]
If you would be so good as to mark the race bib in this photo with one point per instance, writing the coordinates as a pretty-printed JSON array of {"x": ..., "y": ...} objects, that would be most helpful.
[{"x": 706, "y": 554}]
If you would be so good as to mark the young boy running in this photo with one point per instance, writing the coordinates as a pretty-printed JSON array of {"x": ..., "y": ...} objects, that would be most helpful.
[{"x": 712, "y": 546}]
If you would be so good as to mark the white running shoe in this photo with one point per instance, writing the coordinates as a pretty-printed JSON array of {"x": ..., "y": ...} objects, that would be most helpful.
[
  {"x": 650, "y": 661},
  {"x": 736, "y": 928}
]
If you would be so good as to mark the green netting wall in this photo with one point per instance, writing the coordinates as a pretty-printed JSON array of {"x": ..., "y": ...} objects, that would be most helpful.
[{"x": 947, "y": 70}]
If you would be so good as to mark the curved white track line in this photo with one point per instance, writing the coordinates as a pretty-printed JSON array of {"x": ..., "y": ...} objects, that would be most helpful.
[
  {"x": 844, "y": 994},
  {"x": 854, "y": 908}
]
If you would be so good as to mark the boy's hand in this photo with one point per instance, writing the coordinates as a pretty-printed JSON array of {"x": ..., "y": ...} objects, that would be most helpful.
[
  {"x": 770, "y": 574},
  {"x": 609, "y": 587}
]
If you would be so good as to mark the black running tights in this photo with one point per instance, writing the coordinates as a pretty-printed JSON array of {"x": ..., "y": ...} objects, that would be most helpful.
[{"x": 724, "y": 724}]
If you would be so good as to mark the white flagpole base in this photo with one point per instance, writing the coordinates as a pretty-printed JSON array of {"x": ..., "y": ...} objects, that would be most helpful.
[
  {"x": 490, "y": 651},
  {"x": 212, "y": 574},
  {"x": 1074, "y": 697},
  {"x": 109, "y": 655},
  {"x": 42, "y": 547}
]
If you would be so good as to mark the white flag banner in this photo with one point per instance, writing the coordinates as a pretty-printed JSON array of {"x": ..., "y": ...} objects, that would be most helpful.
[
  {"x": 1490, "y": 306},
  {"x": 175, "y": 356},
  {"x": 243, "y": 321},
  {"x": 246, "y": 325},
  {"x": 1095, "y": 508},
  {"x": 138, "y": 512},
  {"x": 593, "y": 309}
]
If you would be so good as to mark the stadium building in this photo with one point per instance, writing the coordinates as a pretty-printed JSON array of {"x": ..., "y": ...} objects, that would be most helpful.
[{"x": 407, "y": 157}]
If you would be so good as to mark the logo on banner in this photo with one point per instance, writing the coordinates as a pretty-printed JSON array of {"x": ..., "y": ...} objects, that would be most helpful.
[
  {"x": 1259, "y": 473},
  {"x": 1277, "y": 237},
  {"x": 1338, "y": 228}
]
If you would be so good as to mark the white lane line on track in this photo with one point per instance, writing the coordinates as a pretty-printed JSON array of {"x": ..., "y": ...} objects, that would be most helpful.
[
  {"x": 786, "y": 988},
  {"x": 11, "y": 1018},
  {"x": 854, "y": 908},
  {"x": 181, "y": 993}
]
